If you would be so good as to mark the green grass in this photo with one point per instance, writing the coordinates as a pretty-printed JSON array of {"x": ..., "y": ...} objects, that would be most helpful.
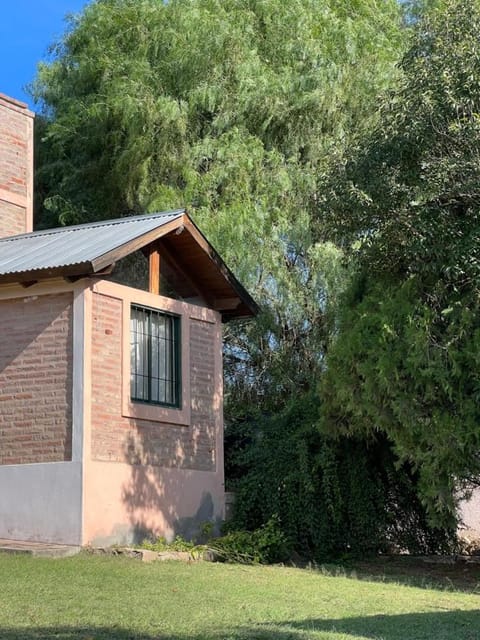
[{"x": 95, "y": 598}]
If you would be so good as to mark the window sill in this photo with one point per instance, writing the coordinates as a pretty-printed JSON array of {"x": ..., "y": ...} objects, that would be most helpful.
[{"x": 156, "y": 413}]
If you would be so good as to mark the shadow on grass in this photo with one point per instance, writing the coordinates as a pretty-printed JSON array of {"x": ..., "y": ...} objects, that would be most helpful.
[
  {"x": 442, "y": 625},
  {"x": 410, "y": 572}
]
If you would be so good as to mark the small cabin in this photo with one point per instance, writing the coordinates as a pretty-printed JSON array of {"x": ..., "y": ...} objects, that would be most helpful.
[{"x": 111, "y": 412}]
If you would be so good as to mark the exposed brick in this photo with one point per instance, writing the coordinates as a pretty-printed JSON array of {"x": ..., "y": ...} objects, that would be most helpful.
[
  {"x": 35, "y": 389},
  {"x": 15, "y": 168},
  {"x": 12, "y": 219},
  {"x": 121, "y": 439}
]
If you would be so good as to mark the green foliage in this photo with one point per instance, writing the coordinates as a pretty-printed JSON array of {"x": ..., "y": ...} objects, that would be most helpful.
[
  {"x": 140, "y": 93},
  {"x": 265, "y": 545},
  {"x": 406, "y": 358},
  {"x": 406, "y": 369},
  {"x": 231, "y": 108},
  {"x": 237, "y": 109},
  {"x": 332, "y": 497},
  {"x": 161, "y": 544}
]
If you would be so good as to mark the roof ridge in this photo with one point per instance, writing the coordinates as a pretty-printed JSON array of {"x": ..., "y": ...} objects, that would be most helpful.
[{"x": 98, "y": 223}]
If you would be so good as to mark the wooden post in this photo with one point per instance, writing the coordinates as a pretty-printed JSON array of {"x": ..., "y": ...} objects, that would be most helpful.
[{"x": 154, "y": 270}]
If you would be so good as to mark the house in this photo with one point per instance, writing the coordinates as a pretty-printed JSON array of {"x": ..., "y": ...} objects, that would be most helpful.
[{"x": 111, "y": 424}]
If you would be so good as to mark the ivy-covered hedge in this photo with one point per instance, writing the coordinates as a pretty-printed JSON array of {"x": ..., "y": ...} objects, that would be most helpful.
[{"x": 332, "y": 498}]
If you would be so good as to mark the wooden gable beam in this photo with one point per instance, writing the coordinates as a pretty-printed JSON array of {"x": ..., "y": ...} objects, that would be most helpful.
[
  {"x": 137, "y": 243},
  {"x": 174, "y": 263},
  {"x": 154, "y": 269}
]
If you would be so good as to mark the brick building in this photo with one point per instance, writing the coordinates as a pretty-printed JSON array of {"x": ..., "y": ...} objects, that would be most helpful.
[
  {"x": 16, "y": 167},
  {"x": 111, "y": 424}
]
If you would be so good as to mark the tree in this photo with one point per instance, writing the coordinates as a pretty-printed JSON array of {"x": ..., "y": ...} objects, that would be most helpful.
[
  {"x": 232, "y": 109},
  {"x": 236, "y": 109},
  {"x": 406, "y": 358}
]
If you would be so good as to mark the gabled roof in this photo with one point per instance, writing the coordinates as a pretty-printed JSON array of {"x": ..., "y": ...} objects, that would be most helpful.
[{"x": 92, "y": 248}]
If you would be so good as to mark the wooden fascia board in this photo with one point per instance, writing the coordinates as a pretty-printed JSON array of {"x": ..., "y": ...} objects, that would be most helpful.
[
  {"x": 104, "y": 272},
  {"x": 226, "y": 304},
  {"x": 80, "y": 269},
  {"x": 137, "y": 243},
  {"x": 221, "y": 266}
]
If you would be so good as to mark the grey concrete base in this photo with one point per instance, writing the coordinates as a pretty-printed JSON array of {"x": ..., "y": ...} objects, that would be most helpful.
[
  {"x": 38, "y": 549},
  {"x": 41, "y": 502}
]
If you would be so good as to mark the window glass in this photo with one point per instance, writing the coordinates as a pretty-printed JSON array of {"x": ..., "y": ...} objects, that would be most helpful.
[{"x": 155, "y": 356}]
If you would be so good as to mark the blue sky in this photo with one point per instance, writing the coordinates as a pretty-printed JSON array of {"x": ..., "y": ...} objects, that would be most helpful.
[{"x": 27, "y": 28}]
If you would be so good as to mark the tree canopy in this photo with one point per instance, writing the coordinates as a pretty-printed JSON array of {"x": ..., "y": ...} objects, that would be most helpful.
[
  {"x": 232, "y": 109},
  {"x": 408, "y": 203},
  {"x": 262, "y": 118},
  {"x": 238, "y": 109}
]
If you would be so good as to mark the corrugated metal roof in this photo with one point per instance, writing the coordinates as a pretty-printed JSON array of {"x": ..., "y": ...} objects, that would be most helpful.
[
  {"x": 80, "y": 244},
  {"x": 91, "y": 249}
]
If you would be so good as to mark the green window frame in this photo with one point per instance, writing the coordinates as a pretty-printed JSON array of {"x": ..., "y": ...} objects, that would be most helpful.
[{"x": 155, "y": 349}]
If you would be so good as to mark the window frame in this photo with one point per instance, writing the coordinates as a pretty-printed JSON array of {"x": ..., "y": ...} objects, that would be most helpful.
[
  {"x": 174, "y": 356},
  {"x": 178, "y": 416},
  {"x": 187, "y": 312}
]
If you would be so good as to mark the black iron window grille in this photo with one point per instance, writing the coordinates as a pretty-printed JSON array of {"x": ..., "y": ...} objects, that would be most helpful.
[{"x": 155, "y": 357}]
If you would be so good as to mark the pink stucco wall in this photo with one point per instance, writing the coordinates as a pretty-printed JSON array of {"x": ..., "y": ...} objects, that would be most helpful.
[
  {"x": 160, "y": 473},
  {"x": 470, "y": 518}
]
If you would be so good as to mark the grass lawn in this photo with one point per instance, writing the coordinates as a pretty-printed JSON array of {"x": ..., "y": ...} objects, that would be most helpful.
[{"x": 95, "y": 598}]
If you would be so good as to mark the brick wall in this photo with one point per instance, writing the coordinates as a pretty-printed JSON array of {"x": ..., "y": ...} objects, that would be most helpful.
[
  {"x": 121, "y": 439},
  {"x": 36, "y": 379},
  {"x": 16, "y": 167},
  {"x": 12, "y": 219}
]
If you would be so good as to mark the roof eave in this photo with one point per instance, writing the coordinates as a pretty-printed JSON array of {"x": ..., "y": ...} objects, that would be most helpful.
[
  {"x": 72, "y": 271},
  {"x": 229, "y": 308},
  {"x": 247, "y": 303},
  {"x": 103, "y": 261}
]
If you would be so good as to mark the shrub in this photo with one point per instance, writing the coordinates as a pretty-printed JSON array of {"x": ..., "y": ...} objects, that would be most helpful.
[
  {"x": 264, "y": 545},
  {"x": 160, "y": 544}
]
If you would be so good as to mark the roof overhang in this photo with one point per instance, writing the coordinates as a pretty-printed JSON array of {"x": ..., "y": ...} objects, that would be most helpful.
[{"x": 180, "y": 239}]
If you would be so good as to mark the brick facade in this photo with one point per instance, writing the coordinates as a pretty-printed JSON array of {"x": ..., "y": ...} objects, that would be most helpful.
[
  {"x": 36, "y": 379},
  {"x": 118, "y": 438},
  {"x": 12, "y": 219},
  {"x": 16, "y": 167}
]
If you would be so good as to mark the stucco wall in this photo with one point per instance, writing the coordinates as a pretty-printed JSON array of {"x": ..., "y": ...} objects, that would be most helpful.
[
  {"x": 41, "y": 502},
  {"x": 152, "y": 475},
  {"x": 16, "y": 167},
  {"x": 36, "y": 378},
  {"x": 127, "y": 503},
  {"x": 470, "y": 518}
]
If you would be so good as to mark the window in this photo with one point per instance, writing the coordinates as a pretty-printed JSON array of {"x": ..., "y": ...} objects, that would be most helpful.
[{"x": 155, "y": 357}]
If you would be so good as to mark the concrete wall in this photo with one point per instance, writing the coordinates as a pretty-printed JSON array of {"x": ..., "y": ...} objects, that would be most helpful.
[
  {"x": 36, "y": 378},
  {"x": 16, "y": 167},
  {"x": 158, "y": 472},
  {"x": 470, "y": 518},
  {"x": 41, "y": 502}
]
